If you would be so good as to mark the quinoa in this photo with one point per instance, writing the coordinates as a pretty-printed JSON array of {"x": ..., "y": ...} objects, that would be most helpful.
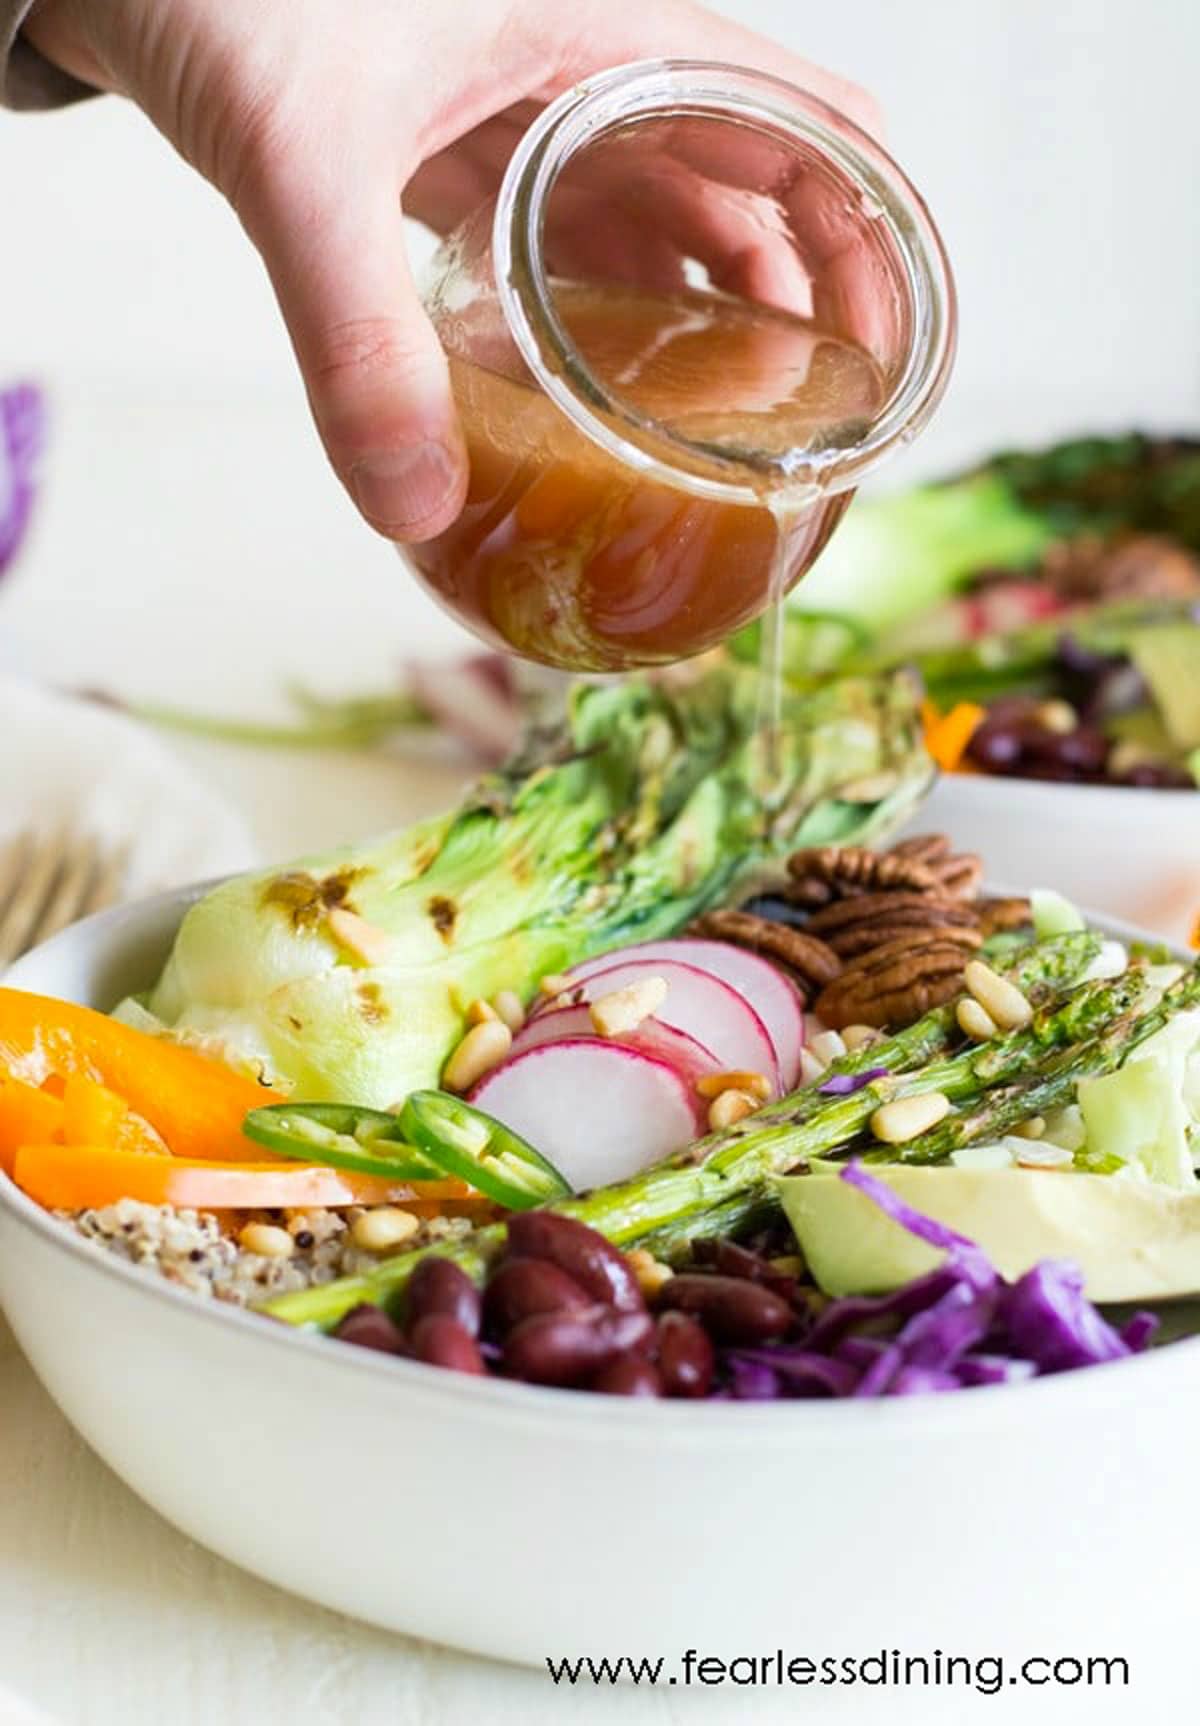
[{"x": 191, "y": 1248}]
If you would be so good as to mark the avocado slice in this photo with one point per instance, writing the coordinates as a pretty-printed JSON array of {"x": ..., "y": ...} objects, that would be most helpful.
[
  {"x": 1134, "y": 1240},
  {"x": 1168, "y": 657}
]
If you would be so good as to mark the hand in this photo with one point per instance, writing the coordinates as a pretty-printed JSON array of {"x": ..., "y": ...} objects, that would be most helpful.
[{"x": 316, "y": 119}]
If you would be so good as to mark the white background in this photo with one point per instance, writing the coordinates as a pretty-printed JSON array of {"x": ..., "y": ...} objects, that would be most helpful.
[{"x": 192, "y": 547}]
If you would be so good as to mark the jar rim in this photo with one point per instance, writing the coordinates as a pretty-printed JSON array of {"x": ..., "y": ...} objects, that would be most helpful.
[{"x": 649, "y": 88}]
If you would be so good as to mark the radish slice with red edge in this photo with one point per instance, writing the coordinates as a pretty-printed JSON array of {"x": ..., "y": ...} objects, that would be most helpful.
[
  {"x": 690, "y": 1059},
  {"x": 598, "y": 1110},
  {"x": 706, "y": 1008},
  {"x": 773, "y": 996}
]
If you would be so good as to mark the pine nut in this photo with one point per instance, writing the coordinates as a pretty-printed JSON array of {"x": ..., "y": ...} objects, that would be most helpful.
[
  {"x": 1045, "y": 1156},
  {"x": 624, "y": 1009},
  {"x": 810, "y": 1068},
  {"x": 908, "y": 1117},
  {"x": 483, "y": 1048},
  {"x": 1057, "y": 716},
  {"x": 1033, "y": 1128},
  {"x": 997, "y": 996},
  {"x": 381, "y": 1229},
  {"x": 267, "y": 1241},
  {"x": 861, "y": 1036},
  {"x": 553, "y": 983},
  {"x": 481, "y": 1012},
  {"x": 827, "y": 1046},
  {"x": 712, "y": 1084},
  {"x": 508, "y": 1007},
  {"x": 1126, "y": 755},
  {"x": 972, "y": 1019},
  {"x": 650, "y": 1272},
  {"x": 729, "y": 1108},
  {"x": 372, "y": 945}
]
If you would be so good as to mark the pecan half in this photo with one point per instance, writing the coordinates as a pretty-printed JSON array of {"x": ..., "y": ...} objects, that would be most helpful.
[
  {"x": 893, "y": 985},
  {"x": 960, "y": 875},
  {"x": 922, "y": 847},
  {"x": 815, "y": 963},
  {"x": 854, "y": 868},
  {"x": 998, "y": 916},
  {"x": 868, "y": 907},
  {"x": 852, "y": 942}
]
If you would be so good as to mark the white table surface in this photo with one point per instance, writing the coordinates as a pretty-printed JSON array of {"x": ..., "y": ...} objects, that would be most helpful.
[{"x": 200, "y": 554}]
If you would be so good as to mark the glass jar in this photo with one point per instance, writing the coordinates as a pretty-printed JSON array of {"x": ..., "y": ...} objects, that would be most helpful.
[{"x": 702, "y": 306}]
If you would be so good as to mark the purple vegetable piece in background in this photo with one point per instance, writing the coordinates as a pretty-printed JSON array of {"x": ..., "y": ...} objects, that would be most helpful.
[
  {"x": 845, "y": 1084},
  {"x": 22, "y": 424}
]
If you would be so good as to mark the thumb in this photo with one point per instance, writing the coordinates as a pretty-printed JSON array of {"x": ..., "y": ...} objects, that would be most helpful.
[{"x": 375, "y": 373}]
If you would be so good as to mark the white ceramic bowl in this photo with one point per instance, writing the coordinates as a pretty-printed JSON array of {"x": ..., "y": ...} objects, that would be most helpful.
[
  {"x": 1131, "y": 854},
  {"x": 523, "y": 1523}
]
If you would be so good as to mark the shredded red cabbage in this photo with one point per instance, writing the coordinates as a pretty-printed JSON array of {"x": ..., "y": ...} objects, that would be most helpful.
[
  {"x": 845, "y": 1084},
  {"x": 959, "y": 1326},
  {"x": 22, "y": 421}
]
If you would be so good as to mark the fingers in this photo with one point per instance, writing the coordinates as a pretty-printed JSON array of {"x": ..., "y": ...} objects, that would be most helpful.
[
  {"x": 605, "y": 35},
  {"x": 330, "y": 232}
]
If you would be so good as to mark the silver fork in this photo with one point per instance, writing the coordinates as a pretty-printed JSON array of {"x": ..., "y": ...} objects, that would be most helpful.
[{"x": 50, "y": 880}]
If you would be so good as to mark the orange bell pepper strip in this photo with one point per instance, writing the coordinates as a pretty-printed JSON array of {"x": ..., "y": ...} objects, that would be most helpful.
[
  {"x": 948, "y": 735},
  {"x": 82, "y": 1177},
  {"x": 94, "y": 1115},
  {"x": 196, "y": 1104},
  {"x": 27, "y": 1116}
]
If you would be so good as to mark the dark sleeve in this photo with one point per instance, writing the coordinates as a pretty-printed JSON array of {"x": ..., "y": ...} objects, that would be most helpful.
[{"x": 26, "y": 79}]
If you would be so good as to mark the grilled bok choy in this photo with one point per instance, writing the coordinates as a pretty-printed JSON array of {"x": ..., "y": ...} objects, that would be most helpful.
[{"x": 347, "y": 977}]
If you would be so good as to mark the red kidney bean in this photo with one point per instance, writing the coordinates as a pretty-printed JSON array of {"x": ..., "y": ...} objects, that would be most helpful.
[
  {"x": 995, "y": 748},
  {"x": 442, "y": 1341},
  {"x": 518, "y": 1288},
  {"x": 439, "y": 1286},
  {"x": 570, "y": 1348},
  {"x": 732, "y": 1260},
  {"x": 1082, "y": 750},
  {"x": 368, "y": 1326},
  {"x": 1159, "y": 776},
  {"x": 685, "y": 1355},
  {"x": 584, "y": 1254},
  {"x": 732, "y": 1309},
  {"x": 628, "y": 1375}
]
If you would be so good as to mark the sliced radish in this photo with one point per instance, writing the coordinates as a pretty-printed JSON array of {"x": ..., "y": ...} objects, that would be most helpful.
[
  {"x": 690, "y": 1059},
  {"x": 774, "y": 997},
  {"x": 598, "y": 1110},
  {"x": 706, "y": 1008}
]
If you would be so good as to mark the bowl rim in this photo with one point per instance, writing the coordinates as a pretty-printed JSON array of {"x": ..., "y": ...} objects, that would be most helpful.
[
  {"x": 631, "y": 1417},
  {"x": 972, "y": 784}
]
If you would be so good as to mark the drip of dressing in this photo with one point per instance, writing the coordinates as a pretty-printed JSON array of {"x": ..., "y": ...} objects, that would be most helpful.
[{"x": 788, "y": 510}]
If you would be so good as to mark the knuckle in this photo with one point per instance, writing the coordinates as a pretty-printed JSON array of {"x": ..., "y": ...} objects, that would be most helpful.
[{"x": 366, "y": 348}]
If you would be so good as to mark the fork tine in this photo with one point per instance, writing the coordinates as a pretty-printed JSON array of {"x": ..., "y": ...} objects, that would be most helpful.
[
  {"x": 33, "y": 885},
  {"x": 107, "y": 882},
  {"x": 81, "y": 860},
  {"x": 13, "y": 859}
]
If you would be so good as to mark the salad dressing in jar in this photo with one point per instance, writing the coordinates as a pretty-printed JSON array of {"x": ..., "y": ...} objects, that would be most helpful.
[{"x": 702, "y": 306}]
